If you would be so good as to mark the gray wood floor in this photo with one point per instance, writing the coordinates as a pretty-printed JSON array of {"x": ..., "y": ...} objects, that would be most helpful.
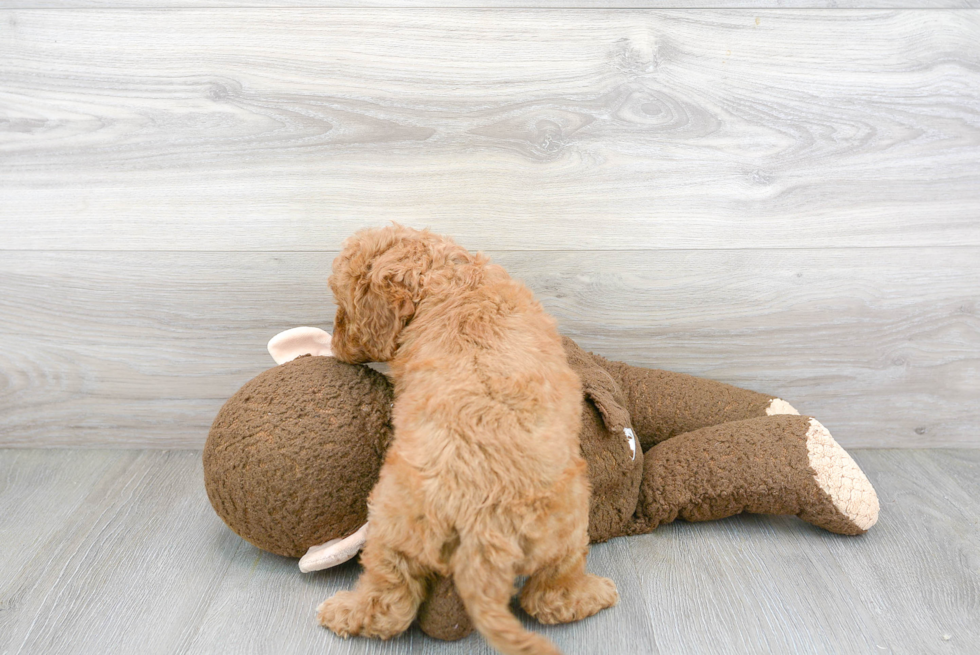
[{"x": 116, "y": 551}]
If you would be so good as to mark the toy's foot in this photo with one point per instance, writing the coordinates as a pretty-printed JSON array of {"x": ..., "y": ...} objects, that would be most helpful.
[
  {"x": 349, "y": 613},
  {"x": 574, "y": 601},
  {"x": 852, "y": 505}
]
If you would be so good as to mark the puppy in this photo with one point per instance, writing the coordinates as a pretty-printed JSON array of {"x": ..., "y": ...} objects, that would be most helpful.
[{"x": 484, "y": 479}]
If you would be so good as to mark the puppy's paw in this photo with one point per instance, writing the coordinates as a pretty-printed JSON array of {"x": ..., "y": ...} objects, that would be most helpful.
[
  {"x": 350, "y": 614},
  {"x": 337, "y": 613},
  {"x": 585, "y": 597}
]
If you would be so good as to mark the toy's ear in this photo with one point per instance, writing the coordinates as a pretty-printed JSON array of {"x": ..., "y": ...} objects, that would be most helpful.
[{"x": 287, "y": 346}]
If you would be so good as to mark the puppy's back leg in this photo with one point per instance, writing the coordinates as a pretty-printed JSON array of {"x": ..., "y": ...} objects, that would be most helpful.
[
  {"x": 385, "y": 600},
  {"x": 484, "y": 576},
  {"x": 391, "y": 588},
  {"x": 562, "y": 592}
]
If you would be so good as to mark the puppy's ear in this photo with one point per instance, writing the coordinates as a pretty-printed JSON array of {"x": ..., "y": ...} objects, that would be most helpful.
[
  {"x": 375, "y": 324},
  {"x": 385, "y": 301},
  {"x": 397, "y": 276}
]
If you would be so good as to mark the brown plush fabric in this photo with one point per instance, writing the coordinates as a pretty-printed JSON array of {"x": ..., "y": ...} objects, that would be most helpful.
[
  {"x": 292, "y": 456},
  {"x": 615, "y": 471},
  {"x": 663, "y": 404},
  {"x": 757, "y": 465},
  {"x": 442, "y": 614}
]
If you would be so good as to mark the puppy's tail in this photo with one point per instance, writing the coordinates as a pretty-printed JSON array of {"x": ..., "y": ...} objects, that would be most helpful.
[{"x": 486, "y": 587}]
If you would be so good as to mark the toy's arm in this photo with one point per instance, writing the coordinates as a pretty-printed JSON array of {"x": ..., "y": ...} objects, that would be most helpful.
[
  {"x": 663, "y": 404},
  {"x": 765, "y": 465}
]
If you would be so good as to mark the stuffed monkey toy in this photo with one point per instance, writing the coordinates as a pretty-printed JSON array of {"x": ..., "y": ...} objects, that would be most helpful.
[{"x": 292, "y": 457}]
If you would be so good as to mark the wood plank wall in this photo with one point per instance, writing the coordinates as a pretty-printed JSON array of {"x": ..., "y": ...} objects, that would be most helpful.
[{"x": 778, "y": 195}]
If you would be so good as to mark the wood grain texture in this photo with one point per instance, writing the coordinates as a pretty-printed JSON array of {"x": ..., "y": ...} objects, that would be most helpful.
[
  {"x": 143, "y": 564},
  {"x": 130, "y": 570},
  {"x": 142, "y": 349},
  {"x": 285, "y": 129},
  {"x": 29, "y": 484}
]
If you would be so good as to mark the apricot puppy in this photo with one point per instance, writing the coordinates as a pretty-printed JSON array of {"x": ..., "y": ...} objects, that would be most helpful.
[{"x": 484, "y": 479}]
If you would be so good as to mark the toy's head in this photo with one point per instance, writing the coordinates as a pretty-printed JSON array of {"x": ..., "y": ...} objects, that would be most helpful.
[{"x": 292, "y": 456}]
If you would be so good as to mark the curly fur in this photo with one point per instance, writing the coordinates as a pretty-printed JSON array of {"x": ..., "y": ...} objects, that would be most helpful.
[{"x": 484, "y": 480}]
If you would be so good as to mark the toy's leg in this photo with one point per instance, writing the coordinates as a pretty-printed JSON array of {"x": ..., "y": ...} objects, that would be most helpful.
[
  {"x": 663, "y": 404},
  {"x": 765, "y": 465},
  {"x": 442, "y": 614}
]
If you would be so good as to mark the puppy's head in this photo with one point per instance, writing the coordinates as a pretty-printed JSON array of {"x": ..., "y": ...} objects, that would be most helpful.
[{"x": 377, "y": 284}]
